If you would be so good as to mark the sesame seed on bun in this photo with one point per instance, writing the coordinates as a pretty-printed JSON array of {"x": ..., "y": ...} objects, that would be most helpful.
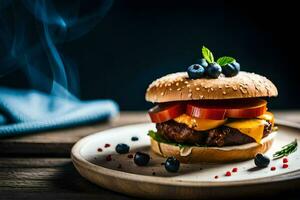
[{"x": 178, "y": 87}]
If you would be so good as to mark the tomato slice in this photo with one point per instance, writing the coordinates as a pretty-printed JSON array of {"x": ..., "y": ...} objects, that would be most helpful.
[
  {"x": 253, "y": 109},
  {"x": 164, "y": 112},
  {"x": 220, "y": 109},
  {"x": 209, "y": 109},
  {"x": 203, "y": 112}
]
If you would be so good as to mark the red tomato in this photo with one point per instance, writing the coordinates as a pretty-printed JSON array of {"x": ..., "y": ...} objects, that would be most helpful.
[
  {"x": 198, "y": 111},
  {"x": 250, "y": 108},
  {"x": 220, "y": 109},
  {"x": 164, "y": 112},
  {"x": 209, "y": 109}
]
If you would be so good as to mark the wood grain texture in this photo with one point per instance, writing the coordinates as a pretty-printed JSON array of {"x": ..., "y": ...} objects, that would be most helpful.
[
  {"x": 60, "y": 142},
  {"x": 46, "y": 178}
]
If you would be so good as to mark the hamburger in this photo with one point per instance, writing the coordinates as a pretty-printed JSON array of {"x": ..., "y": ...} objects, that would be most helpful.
[{"x": 206, "y": 119}]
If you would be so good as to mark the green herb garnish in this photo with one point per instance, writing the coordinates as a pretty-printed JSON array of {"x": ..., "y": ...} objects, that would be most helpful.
[
  {"x": 207, "y": 55},
  {"x": 225, "y": 60},
  {"x": 286, "y": 150}
]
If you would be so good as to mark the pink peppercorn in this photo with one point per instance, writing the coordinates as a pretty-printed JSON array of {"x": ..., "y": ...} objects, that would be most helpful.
[
  {"x": 285, "y": 165},
  {"x": 235, "y": 169},
  {"x": 273, "y": 168},
  {"x": 228, "y": 173},
  {"x": 285, "y": 160}
]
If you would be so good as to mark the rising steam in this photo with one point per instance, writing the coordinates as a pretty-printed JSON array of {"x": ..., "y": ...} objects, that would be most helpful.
[{"x": 31, "y": 32}]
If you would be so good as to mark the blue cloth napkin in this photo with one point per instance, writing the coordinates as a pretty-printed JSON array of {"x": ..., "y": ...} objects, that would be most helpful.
[{"x": 26, "y": 111}]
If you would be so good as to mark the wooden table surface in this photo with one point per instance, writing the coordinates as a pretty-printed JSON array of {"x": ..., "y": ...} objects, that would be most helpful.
[{"x": 38, "y": 166}]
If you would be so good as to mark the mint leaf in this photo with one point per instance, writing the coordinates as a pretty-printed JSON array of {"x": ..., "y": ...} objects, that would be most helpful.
[
  {"x": 207, "y": 55},
  {"x": 225, "y": 60}
]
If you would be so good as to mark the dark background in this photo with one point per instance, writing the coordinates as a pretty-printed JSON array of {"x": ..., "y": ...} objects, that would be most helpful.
[{"x": 139, "y": 41}]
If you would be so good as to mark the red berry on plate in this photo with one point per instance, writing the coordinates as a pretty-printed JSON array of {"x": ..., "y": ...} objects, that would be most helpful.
[
  {"x": 285, "y": 160},
  {"x": 273, "y": 168},
  {"x": 285, "y": 165},
  {"x": 216, "y": 177},
  {"x": 107, "y": 145},
  {"x": 235, "y": 169},
  {"x": 228, "y": 173}
]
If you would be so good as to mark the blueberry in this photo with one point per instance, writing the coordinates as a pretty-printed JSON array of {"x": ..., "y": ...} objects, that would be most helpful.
[
  {"x": 236, "y": 65},
  {"x": 202, "y": 62},
  {"x": 231, "y": 69},
  {"x": 122, "y": 148},
  {"x": 134, "y": 138},
  {"x": 141, "y": 159},
  {"x": 261, "y": 160},
  {"x": 195, "y": 71},
  {"x": 214, "y": 70},
  {"x": 172, "y": 164}
]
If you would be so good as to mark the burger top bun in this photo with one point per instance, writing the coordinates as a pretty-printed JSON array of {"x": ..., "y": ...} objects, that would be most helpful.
[{"x": 178, "y": 87}]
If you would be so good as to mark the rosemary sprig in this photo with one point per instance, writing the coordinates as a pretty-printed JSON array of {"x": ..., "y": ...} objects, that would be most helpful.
[{"x": 286, "y": 150}]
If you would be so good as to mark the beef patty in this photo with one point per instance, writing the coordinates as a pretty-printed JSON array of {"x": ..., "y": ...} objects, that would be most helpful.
[{"x": 221, "y": 136}]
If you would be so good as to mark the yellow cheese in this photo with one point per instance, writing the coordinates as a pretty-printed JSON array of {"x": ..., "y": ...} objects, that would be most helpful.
[
  {"x": 254, "y": 128},
  {"x": 199, "y": 124},
  {"x": 267, "y": 116}
]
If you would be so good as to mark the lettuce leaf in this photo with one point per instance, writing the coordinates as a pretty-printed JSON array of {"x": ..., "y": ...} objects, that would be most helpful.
[{"x": 156, "y": 136}]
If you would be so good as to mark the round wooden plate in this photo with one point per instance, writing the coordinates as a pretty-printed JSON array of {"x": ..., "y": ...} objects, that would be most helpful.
[{"x": 95, "y": 159}]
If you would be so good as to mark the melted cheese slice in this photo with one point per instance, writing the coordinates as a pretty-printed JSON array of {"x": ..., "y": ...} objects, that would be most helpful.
[
  {"x": 199, "y": 124},
  {"x": 267, "y": 116},
  {"x": 254, "y": 128}
]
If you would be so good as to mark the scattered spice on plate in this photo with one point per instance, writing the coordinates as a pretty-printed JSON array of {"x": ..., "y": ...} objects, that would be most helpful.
[
  {"x": 235, "y": 169},
  {"x": 107, "y": 145},
  {"x": 273, "y": 168},
  {"x": 108, "y": 158},
  {"x": 285, "y": 160},
  {"x": 99, "y": 150},
  {"x": 285, "y": 165},
  {"x": 216, "y": 177},
  {"x": 130, "y": 156},
  {"x": 228, "y": 173},
  {"x": 134, "y": 138}
]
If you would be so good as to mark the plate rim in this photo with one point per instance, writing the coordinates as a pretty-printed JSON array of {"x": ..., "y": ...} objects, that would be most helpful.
[{"x": 78, "y": 159}]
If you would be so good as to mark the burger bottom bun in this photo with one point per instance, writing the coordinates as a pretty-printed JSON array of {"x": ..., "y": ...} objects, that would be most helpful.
[{"x": 195, "y": 154}]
